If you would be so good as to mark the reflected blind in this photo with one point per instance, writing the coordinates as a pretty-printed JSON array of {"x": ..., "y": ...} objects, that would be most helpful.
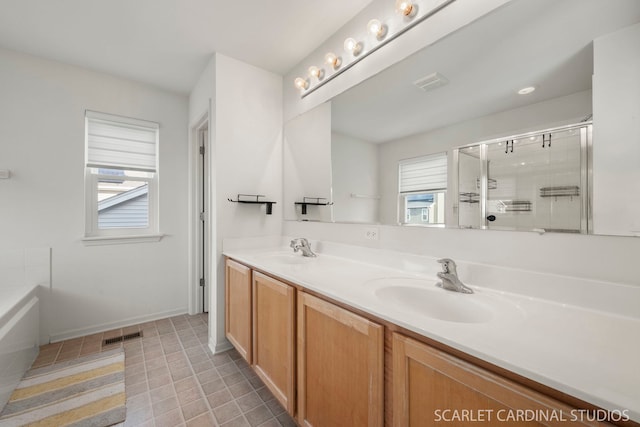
[
  {"x": 423, "y": 173},
  {"x": 120, "y": 143}
]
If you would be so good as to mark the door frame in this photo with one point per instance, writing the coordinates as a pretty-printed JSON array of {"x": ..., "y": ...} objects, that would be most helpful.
[{"x": 195, "y": 235}]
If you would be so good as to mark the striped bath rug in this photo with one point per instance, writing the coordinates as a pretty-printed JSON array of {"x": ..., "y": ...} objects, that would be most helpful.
[{"x": 88, "y": 391}]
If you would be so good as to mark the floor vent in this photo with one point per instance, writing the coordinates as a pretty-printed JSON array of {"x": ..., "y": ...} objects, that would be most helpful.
[{"x": 122, "y": 338}]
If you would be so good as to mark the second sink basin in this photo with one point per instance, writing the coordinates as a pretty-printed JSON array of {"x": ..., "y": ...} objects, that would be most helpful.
[{"x": 424, "y": 298}]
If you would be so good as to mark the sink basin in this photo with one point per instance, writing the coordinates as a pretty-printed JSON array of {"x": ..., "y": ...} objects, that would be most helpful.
[{"x": 424, "y": 298}]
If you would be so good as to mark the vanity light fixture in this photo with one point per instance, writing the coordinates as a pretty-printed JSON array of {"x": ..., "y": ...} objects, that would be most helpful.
[
  {"x": 351, "y": 45},
  {"x": 377, "y": 28},
  {"x": 315, "y": 72},
  {"x": 301, "y": 83},
  {"x": 526, "y": 90},
  {"x": 332, "y": 60},
  {"x": 406, "y": 8}
]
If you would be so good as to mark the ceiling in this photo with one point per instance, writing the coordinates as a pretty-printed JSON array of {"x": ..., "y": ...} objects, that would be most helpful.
[
  {"x": 545, "y": 43},
  {"x": 167, "y": 43}
]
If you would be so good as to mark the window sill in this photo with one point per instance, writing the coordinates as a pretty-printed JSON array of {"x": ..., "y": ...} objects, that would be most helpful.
[
  {"x": 119, "y": 240},
  {"x": 408, "y": 224}
]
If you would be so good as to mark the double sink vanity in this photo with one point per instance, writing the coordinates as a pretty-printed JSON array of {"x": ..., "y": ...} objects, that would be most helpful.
[{"x": 367, "y": 336}]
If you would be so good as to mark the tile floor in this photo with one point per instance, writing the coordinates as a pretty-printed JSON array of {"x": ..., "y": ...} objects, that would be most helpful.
[{"x": 172, "y": 378}]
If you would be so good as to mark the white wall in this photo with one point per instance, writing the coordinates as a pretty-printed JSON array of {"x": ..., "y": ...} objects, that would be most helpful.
[
  {"x": 203, "y": 93},
  {"x": 25, "y": 267},
  {"x": 554, "y": 112},
  {"x": 307, "y": 163},
  {"x": 616, "y": 129},
  {"x": 42, "y": 143},
  {"x": 354, "y": 167},
  {"x": 246, "y": 157}
]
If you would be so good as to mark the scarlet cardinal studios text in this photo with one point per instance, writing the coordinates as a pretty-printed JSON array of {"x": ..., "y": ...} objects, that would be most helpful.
[{"x": 511, "y": 415}]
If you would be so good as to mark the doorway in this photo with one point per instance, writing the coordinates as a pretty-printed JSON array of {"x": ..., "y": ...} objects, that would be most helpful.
[
  {"x": 201, "y": 246},
  {"x": 203, "y": 138}
]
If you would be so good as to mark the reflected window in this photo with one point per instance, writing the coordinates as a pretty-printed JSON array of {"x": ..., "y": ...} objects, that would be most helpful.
[{"x": 422, "y": 190}]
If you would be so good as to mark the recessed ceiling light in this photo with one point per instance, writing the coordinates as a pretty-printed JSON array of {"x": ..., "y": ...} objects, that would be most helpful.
[{"x": 526, "y": 90}]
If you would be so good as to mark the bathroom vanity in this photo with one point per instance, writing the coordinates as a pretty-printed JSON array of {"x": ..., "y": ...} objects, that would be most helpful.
[{"x": 338, "y": 338}]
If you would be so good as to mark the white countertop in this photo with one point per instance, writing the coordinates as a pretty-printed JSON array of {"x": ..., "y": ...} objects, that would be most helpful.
[{"x": 587, "y": 353}]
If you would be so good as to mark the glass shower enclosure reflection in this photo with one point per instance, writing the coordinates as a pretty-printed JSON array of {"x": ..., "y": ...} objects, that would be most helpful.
[{"x": 536, "y": 181}]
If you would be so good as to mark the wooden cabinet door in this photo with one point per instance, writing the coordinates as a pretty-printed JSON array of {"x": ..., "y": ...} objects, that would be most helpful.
[
  {"x": 274, "y": 337},
  {"x": 340, "y": 366},
  {"x": 238, "y": 307},
  {"x": 434, "y": 388}
]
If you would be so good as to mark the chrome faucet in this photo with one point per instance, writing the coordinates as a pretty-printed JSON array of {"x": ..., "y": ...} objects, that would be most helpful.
[
  {"x": 449, "y": 277},
  {"x": 302, "y": 244}
]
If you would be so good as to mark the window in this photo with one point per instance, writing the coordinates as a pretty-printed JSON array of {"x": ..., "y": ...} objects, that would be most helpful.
[
  {"x": 422, "y": 188},
  {"x": 121, "y": 176}
]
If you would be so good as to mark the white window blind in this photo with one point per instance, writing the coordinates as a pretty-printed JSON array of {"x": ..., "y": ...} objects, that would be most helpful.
[
  {"x": 423, "y": 173},
  {"x": 115, "y": 142}
]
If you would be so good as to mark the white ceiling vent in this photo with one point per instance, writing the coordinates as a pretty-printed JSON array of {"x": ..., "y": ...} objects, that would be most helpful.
[{"x": 432, "y": 81}]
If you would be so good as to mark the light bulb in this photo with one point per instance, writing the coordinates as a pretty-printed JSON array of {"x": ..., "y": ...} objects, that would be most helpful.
[
  {"x": 351, "y": 45},
  {"x": 332, "y": 60},
  {"x": 301, "y": 83},
  {"x": 314, "y": 71},
  {"x": 376, "y": 28},
  {"x": 405, "y": 7}
]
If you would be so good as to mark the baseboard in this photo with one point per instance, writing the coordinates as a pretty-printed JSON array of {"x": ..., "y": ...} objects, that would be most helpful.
[
  {"x": 81, "y": 332},
  {"x": 220, "y": 347}
]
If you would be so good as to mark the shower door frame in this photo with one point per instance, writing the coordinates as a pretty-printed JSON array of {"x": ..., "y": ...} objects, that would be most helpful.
[{"x": 586, "y": 173}]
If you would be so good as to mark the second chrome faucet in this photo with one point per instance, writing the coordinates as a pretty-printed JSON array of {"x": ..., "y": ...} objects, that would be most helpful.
[
  {"x": 449, "y": 277},
  {"x": 302, "y": 244}
]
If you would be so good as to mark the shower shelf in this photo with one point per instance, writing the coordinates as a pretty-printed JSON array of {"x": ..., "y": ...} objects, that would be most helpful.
[
  {"x": 562, "y": 191},
  {"x": 514, "y": 206},
  {"x": 469, "y": 198},
  {"x": 254, "y": 199},
  {"x": 492, "y": 184},
  {"x": 364, "y": 196},
  {"x": 312, "y": 201}
]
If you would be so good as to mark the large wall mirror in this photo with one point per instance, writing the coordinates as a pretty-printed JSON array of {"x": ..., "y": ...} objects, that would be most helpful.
[{"x": 456, "y": 103}]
